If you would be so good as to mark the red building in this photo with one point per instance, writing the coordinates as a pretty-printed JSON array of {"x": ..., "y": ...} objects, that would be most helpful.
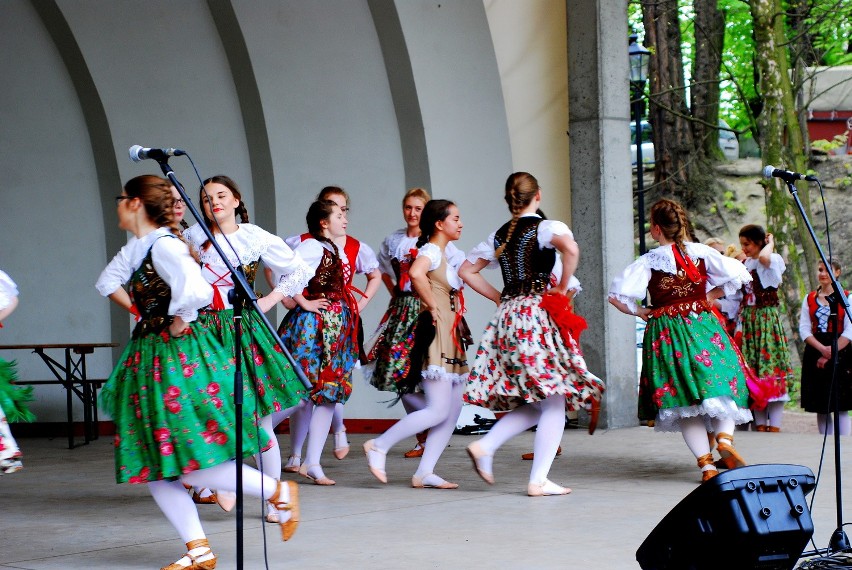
[{"x": 828, "y": 98}]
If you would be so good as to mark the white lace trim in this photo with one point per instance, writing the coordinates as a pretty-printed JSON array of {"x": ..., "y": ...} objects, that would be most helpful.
[
  {"x": 434, "y": 372},
  {"x": 295, "y": 282},
  {"x": 188, "y": 315},
  {"x": 250, "y": 246},
  {"x": 722, "y": 407},
  {"x": 733, "y": 286},
  {"x": 629, "y": 301}
]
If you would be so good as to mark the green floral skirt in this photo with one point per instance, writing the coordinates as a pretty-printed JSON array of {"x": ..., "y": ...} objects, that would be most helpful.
[
  {"x": 765, "y": 350},
  {"x": 689, "y": 368},
  {"x": 276, "y": 386},
  {"x": 169, "y": 399}
]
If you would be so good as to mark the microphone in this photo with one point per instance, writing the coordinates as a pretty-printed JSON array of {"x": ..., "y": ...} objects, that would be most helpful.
[
  {"x": 786, "y": 175},
  {"x": 139, "y": 153}
]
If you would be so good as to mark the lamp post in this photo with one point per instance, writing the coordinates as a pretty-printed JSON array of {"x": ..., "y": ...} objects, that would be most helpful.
[{"x": 639, "y": 58}]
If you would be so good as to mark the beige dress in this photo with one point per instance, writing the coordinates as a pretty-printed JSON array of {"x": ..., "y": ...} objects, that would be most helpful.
[{"x": 447, "y": 359}]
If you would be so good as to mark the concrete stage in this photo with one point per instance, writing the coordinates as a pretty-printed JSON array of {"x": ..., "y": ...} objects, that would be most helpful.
[{"x": 64, "y": 510}]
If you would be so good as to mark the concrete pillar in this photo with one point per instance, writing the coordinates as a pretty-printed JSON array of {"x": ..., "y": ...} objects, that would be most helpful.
[{"x": 601, "y": 201}]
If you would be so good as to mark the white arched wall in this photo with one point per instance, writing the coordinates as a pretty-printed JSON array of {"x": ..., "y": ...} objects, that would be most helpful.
[{"x": 92, "y": 78}]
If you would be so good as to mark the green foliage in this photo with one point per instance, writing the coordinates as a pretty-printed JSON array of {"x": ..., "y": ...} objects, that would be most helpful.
[
  {"x": 845, "y": 182},
  {"x": 730, "y": 203},
  {"x": 839, "y": 141}
]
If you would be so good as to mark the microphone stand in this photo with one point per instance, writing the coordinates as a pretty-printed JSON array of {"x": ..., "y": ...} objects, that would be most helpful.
[
  {"x": 242, "y": 294},
  {"x": 839, "y": 540}
]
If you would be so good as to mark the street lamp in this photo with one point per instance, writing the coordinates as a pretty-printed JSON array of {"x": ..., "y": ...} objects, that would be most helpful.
[{"x": 639, "y": 58}]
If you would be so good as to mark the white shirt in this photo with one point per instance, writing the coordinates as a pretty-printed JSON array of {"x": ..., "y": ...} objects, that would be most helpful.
[
  {"x": 769, "y": 276},
  {"x": 434, "y": 254},
  {"x": 366, "y": 262},
  {"x": 174, "y": 264},
  {"x": 399, "y": 244},
  {"x": 806, "y": 326},
  {"x": 8, "y": 290},
  {"x": 722, "y": 271},
  {"x": 251, "y": 243}
]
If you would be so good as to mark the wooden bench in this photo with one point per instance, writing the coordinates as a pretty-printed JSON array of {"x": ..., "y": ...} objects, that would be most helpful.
[{"x": 72, "y": 375}]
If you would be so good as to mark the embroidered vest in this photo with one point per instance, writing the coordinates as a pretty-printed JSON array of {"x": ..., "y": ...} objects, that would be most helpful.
[
  {"x": 152, "y": 297},
  {"x": 351, "y": 248},
  {"x": 677, "y": 294},
  {"x": 328, "y": 281},
  {"x": 526, "y": 267},
  {"x": 763, "y": 296},
  {"x": 812, "y": 309}
]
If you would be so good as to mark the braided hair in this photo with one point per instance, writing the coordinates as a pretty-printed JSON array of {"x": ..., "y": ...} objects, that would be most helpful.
[
  {"x": 317, "y": 212},
  {"x": 521, "y": 188},
  {"x": 240, "y": 211},
  {"x": 155, "y": 193},
  {"x": 673, "y": 222},
  {"x": 433, "y": 212}
]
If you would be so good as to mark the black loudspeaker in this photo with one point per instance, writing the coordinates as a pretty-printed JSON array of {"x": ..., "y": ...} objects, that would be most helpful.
[{"x": 747, "y": 518}]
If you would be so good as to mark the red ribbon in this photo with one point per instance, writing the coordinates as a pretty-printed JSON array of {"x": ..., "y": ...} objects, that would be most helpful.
[
  {"x": 457, "y": 320},
  {"x": 685, "y": 263}
]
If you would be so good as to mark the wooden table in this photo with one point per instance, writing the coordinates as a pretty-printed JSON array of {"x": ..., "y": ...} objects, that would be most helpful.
[{"x": 73, "y": 376}]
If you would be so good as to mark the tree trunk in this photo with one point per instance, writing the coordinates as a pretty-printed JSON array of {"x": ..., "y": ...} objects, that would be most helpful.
[
  {"x": 781, "y": 143},
  {"x": 681, "y": 169},
  {"x": 707, "y": 63}
]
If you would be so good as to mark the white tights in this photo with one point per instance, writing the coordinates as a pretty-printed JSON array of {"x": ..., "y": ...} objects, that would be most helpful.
[
  {"x": 825, "y": 423},
  {"x": 320, "y": 422},
  {"x": 549, "y": 415},
  {"x": 269, "y": 461},
  {"x": 300, "y": 420},
  {"x": 443, "y": 403},
  {"x": 774, "y": 410},
  {"x": 177, "y": 505}
]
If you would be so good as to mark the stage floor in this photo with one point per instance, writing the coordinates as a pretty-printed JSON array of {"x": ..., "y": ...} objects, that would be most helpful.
[{"x": 64, "y": 510}]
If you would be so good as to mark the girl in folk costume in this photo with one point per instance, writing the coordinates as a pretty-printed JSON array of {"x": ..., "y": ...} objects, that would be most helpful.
[
  {"x": 438, "y": 362},
  {"x": 398, "y": 251},
  {"x": 111, "y": 284},
  {"x": 690, "y": 370},
  {"x": 172, "y": 424},
  {"x": 525, "y": 364},
  {"x": 13, "y": 398},
  {"x": 358, "y": 258},
  {"x": 276, "y": 386},
  {"x": 817, "y": 328},
  {"x": 322, "y": 331},
  {"x": 764, "y": 341}
]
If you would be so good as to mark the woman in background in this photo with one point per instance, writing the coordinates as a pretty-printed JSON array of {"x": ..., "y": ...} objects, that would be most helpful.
[{"x": 817, "y": 329}]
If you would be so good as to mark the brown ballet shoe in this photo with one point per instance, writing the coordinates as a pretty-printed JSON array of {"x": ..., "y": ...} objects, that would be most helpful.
[
  {"x": 194, "y": 561},
  {"x": 773, "y": 429},
  {"x": 414, "y": 453},
  {"x": 531, "y": 456},
  {"x": 199, "y": 500},
  {"x": 288, "y": 527},
  {"x": 594, "y": 415},
  {"x": 729, "y": 456},
  {"x": 759, "y": 428},
  {"x": 706, "y": 459},
  {"x": 324, "y": 481}
]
